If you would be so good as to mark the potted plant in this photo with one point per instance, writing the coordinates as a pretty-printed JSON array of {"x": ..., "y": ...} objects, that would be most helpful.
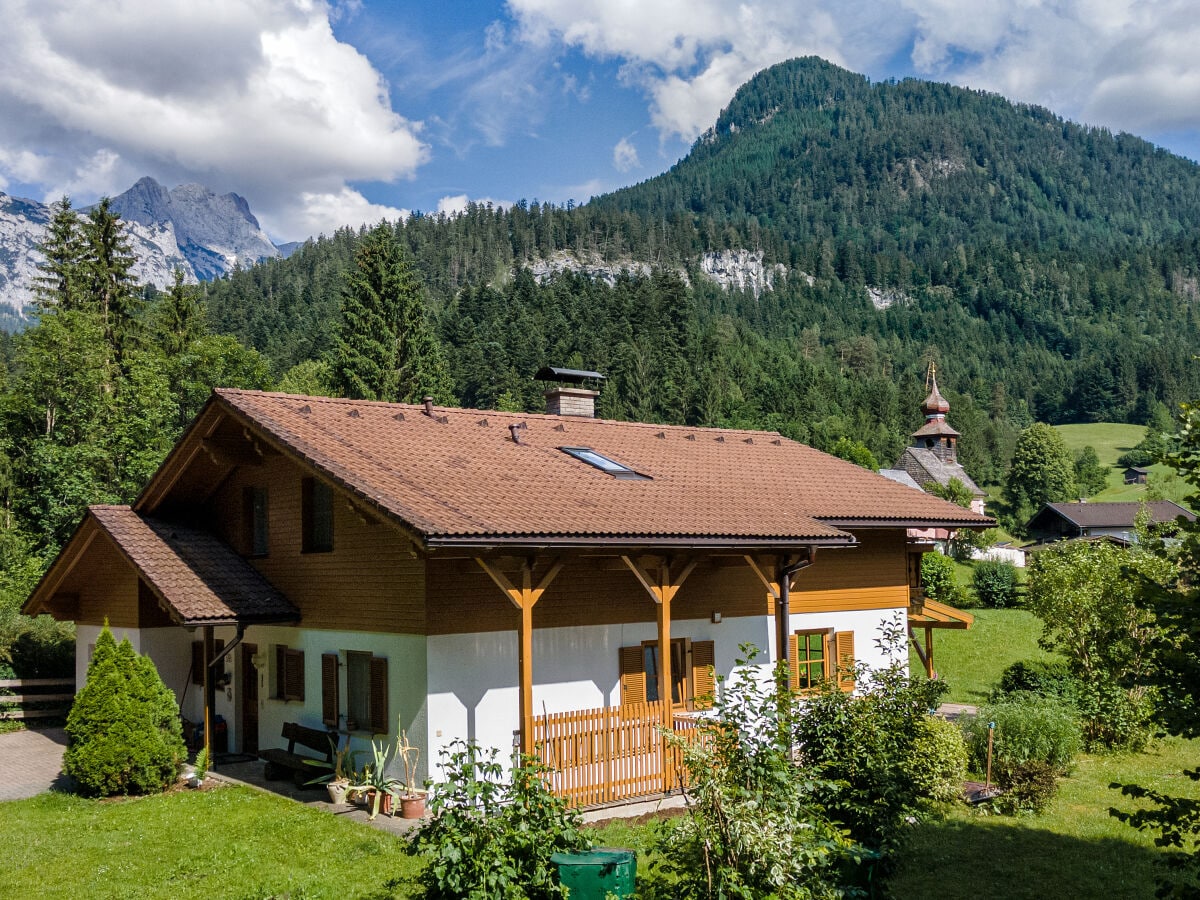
[
  {"x": 412, "y": 801},
  {"x": 375, "y": 783},
  {"x": 337, "y": 779}
]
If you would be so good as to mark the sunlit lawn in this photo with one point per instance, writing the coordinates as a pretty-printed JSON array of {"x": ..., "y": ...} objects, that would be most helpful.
[{"x": 230, "y": 842}]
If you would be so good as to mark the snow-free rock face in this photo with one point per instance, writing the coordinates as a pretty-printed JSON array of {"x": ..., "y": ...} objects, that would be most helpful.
[
  {"x": 188, "y": 228},
  {"x": 741, "y": 270}
]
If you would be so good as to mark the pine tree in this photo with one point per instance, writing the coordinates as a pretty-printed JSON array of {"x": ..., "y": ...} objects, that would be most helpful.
[
  {"x": 60, "y": 284},
  {"x": 108, "y": 279},
  {"x": 179, "y": 317}
]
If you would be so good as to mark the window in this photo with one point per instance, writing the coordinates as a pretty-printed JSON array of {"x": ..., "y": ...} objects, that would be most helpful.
[
  {"x": 603, "y": 463},
  {"x": 366, "y": 691},
  {"x": 692, "y": 681},
  {"x": 289, "y": 673},
  {"x": 254, "y": 506},
  {"x": 317, "y": 514},
  {"x": 818, "y": 655}
]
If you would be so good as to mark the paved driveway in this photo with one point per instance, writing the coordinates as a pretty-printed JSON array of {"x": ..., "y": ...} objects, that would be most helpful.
[{"x": 31, "y": 762}]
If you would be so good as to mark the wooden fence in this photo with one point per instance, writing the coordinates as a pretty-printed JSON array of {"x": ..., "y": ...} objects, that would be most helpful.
[
  {"x": 35, "y": 698},
  {"x": 611, "y": 754}
]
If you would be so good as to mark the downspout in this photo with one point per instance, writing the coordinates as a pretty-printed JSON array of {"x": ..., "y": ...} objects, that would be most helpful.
[{"x": 783, "y": 611}]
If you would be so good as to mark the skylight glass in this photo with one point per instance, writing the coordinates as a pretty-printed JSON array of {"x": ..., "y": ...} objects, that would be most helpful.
[{"x": 601, "y": 462}]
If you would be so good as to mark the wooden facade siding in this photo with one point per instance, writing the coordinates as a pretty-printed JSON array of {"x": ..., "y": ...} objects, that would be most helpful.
[
  {"x": 107, "y": 586},
  {"x": 370, "y": 581},
  {"x": 599, "y": 591}
]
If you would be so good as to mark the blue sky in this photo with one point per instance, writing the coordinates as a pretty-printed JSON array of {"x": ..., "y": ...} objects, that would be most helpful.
[{"x": 330, "y": 113}]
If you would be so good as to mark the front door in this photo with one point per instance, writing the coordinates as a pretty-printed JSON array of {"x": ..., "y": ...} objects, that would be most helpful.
[{"x": 249, "y": 700}]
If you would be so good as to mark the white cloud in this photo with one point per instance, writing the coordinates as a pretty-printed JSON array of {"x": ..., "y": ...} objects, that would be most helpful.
[
  {"x": 256, "y": 96},
  {"x": 625, "y": 156},
  {"x": 457, "y": 204}
]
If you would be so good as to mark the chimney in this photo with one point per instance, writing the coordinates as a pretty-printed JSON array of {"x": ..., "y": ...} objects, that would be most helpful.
[{"x": 569, "y": 397}]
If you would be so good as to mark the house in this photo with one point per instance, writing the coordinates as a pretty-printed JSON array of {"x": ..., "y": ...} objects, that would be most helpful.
[
  {"x": 932, "y": 457},
  {"x": 1136, "y": 475},
  {"x": 1114, "y": 521},
  {"x": 490, "y": 576}
]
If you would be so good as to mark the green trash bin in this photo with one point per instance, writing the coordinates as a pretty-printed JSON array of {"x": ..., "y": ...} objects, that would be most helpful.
[{"x": 593, "y": 874}]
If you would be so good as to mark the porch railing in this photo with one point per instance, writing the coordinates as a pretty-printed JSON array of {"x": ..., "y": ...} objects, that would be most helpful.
[{"x": 610, "y": 754}]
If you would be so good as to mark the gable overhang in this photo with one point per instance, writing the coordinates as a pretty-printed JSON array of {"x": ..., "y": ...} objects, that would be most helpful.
[{"x": 976, "y": 523}]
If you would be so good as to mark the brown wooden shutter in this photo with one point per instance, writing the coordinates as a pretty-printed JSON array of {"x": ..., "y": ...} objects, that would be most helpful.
[
  {"x": 844, "y": 653},
  {"x": 633, "y": 676},
  {"x": 293, "y": 674},
  {"x": 197, "y": 662},
  {"x": 704, "y": 682},
  {"x": 794, "y": 659},
  {"x": 329, "y": 689},
  {"x": 378, "y": 698}
]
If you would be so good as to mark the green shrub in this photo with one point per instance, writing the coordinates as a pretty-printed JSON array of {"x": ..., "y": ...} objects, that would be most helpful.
[
  {"x": 1041, "y": 677},
  {"x": 995, "y": 584},
  {"x": 1114, "y": 718},
  {"x": 488, "y": 837},
  {"x": 1028, "y": 729},
  {"x": 1028, "y": 787},
  {"x": 124, "y": 730},
  {"x": 754, "y": 826},
  {"x": 870, "y": 744},
  {"x": 939, "y": 579},
  {"x": 937, "y": 766}
]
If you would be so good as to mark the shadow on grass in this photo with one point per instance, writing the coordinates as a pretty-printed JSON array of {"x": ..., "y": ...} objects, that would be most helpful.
[{"x": 1014, "y": 858}]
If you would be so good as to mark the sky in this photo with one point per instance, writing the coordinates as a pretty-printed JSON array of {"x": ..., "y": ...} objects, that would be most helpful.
[{"x": 324, "y": 114}]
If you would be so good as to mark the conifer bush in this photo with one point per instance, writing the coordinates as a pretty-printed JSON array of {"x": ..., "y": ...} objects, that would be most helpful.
[{"x": 123, "y": 729}]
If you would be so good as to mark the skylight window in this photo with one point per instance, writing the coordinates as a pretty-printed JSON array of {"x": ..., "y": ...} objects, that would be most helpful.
[{"x": 602, "y": 462}]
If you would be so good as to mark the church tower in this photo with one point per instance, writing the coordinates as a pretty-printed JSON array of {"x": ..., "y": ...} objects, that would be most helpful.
[{"x": 936, "y": 435}]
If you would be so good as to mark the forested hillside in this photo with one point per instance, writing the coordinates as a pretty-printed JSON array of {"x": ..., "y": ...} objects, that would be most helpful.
[{"x": 1050, "y": 269}]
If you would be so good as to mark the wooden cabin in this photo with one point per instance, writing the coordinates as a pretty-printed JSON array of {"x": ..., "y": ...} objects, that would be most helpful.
[{"x": 508, "y": 579}]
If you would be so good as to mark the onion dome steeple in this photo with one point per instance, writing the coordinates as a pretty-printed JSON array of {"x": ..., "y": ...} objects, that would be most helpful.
[
  {"x": 936, "y": 434},
  {"x": 935, "y": 404}
]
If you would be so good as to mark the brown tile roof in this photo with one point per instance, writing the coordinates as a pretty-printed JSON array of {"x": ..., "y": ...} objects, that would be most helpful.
[
  {"x": 457, "y": 476},
  {"x": 200, "y": 579}
]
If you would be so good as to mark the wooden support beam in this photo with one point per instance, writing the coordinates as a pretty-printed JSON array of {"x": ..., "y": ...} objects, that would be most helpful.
[
  {"x": 756, "y": 568},
  {"x": 524, "y": 599},
  {"x": 930, "y": 672},
  {"x": 210, "y": 694}
]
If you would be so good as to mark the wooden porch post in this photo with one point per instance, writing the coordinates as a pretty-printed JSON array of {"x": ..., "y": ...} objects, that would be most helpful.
[
  {"x": 929, "y": 670},
  {"x": 524, "y": 598},
  {"x": 210, "y": 692}
]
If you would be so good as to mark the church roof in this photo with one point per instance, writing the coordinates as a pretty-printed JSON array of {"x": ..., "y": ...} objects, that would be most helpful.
[{"x": 925, "y": 466}]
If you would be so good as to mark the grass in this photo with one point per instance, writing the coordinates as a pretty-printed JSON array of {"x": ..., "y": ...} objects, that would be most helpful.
[
  {"x": 1110, "y": 441},
  {"x": 971, "y": 661},
  {"x": 229, "y": 842},
  {"x": 1074, "y": 849}
]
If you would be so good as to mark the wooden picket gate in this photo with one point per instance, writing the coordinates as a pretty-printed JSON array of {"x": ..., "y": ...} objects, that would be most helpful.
[{"x": 610, "y": 754}]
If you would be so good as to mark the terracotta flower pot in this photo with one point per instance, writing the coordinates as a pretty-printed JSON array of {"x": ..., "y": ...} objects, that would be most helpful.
[
  {"x": 385, "y": 802},
  {"x": 412, "y": 807}
]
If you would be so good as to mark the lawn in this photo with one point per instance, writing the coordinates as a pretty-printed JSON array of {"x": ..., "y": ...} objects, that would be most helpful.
[
  {"x": 229, "y": 842},
  {"x": 1110, "y": 441},
  {"x": 971, "y": 661}
]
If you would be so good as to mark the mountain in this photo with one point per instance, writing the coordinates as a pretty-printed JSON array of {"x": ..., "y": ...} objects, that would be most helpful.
[{"x": 189, "y": 228}]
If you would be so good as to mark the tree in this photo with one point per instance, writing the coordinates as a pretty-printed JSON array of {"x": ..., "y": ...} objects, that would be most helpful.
[
  {"x": 1042, "y": 471},
  {"x": 384, "y": 347},
  {"x": 108, "y": 279},
  {"x": 1090, "y": 477},
  {"x": 59, "y": 283},
  {"x": 178, "y": 317},
  {"x": 855, "y": 452},
  {"x": 124, "y": 729}
]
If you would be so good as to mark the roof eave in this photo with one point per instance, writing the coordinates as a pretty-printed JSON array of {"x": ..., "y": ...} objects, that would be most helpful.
[
  {"x": 980, "y": 523},
  {"x": 625, "y": 544}
]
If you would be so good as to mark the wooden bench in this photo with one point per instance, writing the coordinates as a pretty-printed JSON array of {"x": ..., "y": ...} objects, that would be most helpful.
[{"x": 302, "y": 768}]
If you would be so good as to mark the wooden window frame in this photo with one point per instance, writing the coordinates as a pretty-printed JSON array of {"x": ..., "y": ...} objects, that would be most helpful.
[
  {"x": 314, "y": 492},
  {"x": 289, "y": 673},
  {"x": 839, "y": 661},
  {"x": 798, "y": 684},
  {"x": 636, "y": 678},
  {"x": 377, "y": 692},
  {"x": 251, "y": 495}
]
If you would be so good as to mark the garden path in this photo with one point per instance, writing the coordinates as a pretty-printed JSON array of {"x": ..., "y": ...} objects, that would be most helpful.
[{"x": 31, "y": 762}]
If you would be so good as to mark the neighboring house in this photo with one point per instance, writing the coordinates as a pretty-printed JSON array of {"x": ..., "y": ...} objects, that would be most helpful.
[
  {"x": 1115, "y": 521},
  {"x": 1136, "y": 475},
  {"x": 489, "y": 576}
]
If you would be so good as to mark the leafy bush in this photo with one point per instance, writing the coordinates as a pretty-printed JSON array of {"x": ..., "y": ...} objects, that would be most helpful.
[
  {"x": 755, "y": 827},
  {"x": 1114, "y": 718},
  {"x": 124, "y": 729},
  {"x": 937, "y": 766},
  {"x": 1028, "y": 787},
  {"x": 1028, "y": 729},
  {"x": 939, "y": 579},
  {"x": 871, "y": 744},
  {"x": 489, "y": 838},
  {"x": 1040, "y": 677},
  {"x": 995, "y": 584}
]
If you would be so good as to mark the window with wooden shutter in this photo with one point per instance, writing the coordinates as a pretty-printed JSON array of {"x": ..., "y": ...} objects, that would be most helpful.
[
  {"x": 633, "y": 676},
  {"x": 329, "y": 689},
  {"x": 844, "y": 653},
  {"x": 289, "y": 673},
  {"x": 704, "y": 682},
  {"x": 808, "y": 658},
  {"x": 379, "y": 695}
]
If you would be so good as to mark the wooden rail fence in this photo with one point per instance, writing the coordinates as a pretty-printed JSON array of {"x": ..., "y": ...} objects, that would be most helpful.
[
  {"x": 35, "y": 698},
  {"x": 611, "y": 754}
]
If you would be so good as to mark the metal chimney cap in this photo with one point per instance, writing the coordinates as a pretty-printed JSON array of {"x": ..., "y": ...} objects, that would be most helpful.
[{"x": 571, "y": 376}]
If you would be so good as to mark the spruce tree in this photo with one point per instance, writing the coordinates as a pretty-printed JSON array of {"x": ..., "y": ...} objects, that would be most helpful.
[
  {"x": 60, "y": 282},
  {"x": 108, "y": 278},
  {"x": 123, "y": 728},
  {"x": 179, "y": 317}
]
